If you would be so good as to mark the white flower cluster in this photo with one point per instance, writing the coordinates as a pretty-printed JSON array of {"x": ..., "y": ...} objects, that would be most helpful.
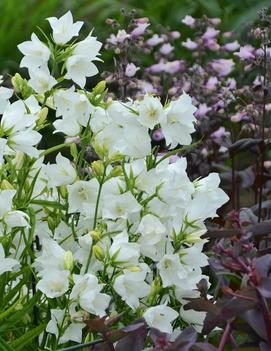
[{"x": 123, "y": 232}]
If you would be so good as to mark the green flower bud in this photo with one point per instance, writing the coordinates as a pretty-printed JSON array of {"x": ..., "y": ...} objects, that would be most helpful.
[
  {"x": 98, "y": 252},
  {"x": 96, "y": 235},
  {"x": 98, "y": 167},
  {"x": 42, "y": 115},
  {"x": 5, "y": 185},
  {"x": 68, "y": 261},
  {"x": 100, "y": 87}
]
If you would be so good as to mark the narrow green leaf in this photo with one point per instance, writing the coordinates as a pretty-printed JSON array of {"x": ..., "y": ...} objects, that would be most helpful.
[{"x": 25, "y": 339}]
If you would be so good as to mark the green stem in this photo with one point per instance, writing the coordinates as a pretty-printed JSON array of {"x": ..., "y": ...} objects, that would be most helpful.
[
  {"x": 96, "y": 213},
  {"x": 181, "y": 149},
  {"x": 54, "y": 148}
]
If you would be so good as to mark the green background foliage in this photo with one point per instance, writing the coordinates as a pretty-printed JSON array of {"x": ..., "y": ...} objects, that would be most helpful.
[{"x": 20, "y": 18}]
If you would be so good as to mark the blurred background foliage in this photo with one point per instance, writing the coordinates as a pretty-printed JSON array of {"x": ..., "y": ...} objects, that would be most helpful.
[{"x": 20, "y": 18}]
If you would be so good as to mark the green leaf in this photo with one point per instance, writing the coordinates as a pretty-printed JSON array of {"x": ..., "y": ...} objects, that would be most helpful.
[
  {"x": 4, "y": 346},
  {"x": 25, "y": 339},
  {"x": 211, "y": 6}
]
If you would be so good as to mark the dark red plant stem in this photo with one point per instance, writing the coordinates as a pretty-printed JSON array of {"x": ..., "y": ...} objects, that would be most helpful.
[
  {"x": 262, "y": 146},
  {"x": 225, "y": 337},
  {"x": 266, "y": 317},
  {"x": 233, "y": 179}
]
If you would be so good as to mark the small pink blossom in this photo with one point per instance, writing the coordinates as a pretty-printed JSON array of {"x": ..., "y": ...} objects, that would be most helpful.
[
  {"x": 231, "y": 46},
  {"x": 158, "y": 135},
  {"x": 210, "y": 33},
  {"x": 175, "y": 34},
  {"x": 215, "y": 21},
  {"x": 154, "y": 40},
  {"x": 139, "y": 30},
  {"x": 166, "y": 49},
  {"x": 221, "y": 131},
  {"x": 189, "y": 21},
  {"x": 212, "y": 44},
  {"x": 245, "y": 52},
  {"x": 222, "y": 66},
  {"x": 131, "y": 70},
  {"x": 202, "y": 110},
  {"x": 211, "y": 83},
  {"x": 189, "y": 44}
]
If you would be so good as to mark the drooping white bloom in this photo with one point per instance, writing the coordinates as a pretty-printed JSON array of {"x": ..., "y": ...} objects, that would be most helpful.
[
  {"x": 207, "y": 198},
  {"x": 53, "y": 282},
  {"x": 6, "y": 197},
  {"x": 124, "y": 252},
  {"x": 63, "y": 28},
  {"x": 17, "y": 219},
  {"x": 87, "y": 291},
  {"x": 60, "y": 173},
  {"x": 36, "y": 53},
  {"x": 160, "y": 317},
  {"x": 41, "y": 80},
  {"x": 6, "y": 264},
  {"x": 79, "y": 65},
  {"x": 82, "y": 196},
  {"x": 18, "y": 128},
  {"x": 126, "y": 285},
  {"x": 151, "y": 112},
  {"x": 151, "y": 230},
  {"x": 194, "y": 318},
  {"x": 72, "y": 333},
  {"x": 120, "y": 206},
  {"x": 5, "y": 95},
  {"x": 179, "y": 122},
  {"x": 171, "y": 270}
]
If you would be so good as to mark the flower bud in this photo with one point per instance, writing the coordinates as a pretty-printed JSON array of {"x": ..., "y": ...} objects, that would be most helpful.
[
  {"x": 96, "y": 235},
  {"x": 100, "y": 87},
  {"x": 98, "y": 252},
  {"x": 73, "y": 150},
  {"x": 19, "y": 160},
  {"x": 68, "y": 260},
  {"x": 63, "y": 191},
  {"x": 116, "y": 172},
  {"x": 98, "y": 167},
  {"x": 134, "y": 269},
  {"x": 42, "y": 115},
  {"x": 21, "y": 86},
  {"x": 5, "y": 185}
]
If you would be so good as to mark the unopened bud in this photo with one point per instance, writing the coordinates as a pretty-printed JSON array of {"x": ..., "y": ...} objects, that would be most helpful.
[
  {"x": 116, "y": 172},
  {"x": 98, "y": 252},
  {"x": 135, "y": 269},
  {"x": 100, "y": 87},
  {"x": 42, "y": 115},
  {"x": 19, "y": 160},
  {"x": 96, "y": 235},
  {"x": 63, "y": 191},
  {"x": 5, "y": 185},
  {"x": 73, "y": 150},
  {"x": 98, "y": 167},
  {"x": 68, "y": 260}
]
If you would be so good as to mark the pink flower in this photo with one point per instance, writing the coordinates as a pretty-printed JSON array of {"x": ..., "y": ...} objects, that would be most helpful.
[
  {"x": 158, "y": 135},
  {"x": 154, "y": 40},
  {"x": 218, "y": 133},
  {"x": 175, "y": 35},
  {"x": 245, "y": 52},
  {"x": 239, "y": 116},
  {"x": 211, "y": 83},
  {"x": 212, "y": 45},
  {"x": 222, "y": 66},
  {"x": 189, "y": 44},
  {"x": 166, "y": 49},
  {"x": 231, "y": 46},
  {"x": 215, "y": 21},
  {"x": 210, "y": 33},
  {"x": 131, "y": 70},
  {"x": 139, "y": 30},
  {"x": 202, "y": 110},
  {"x": 231, "y": 83},
  {"x": 189, "y": 21}
]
